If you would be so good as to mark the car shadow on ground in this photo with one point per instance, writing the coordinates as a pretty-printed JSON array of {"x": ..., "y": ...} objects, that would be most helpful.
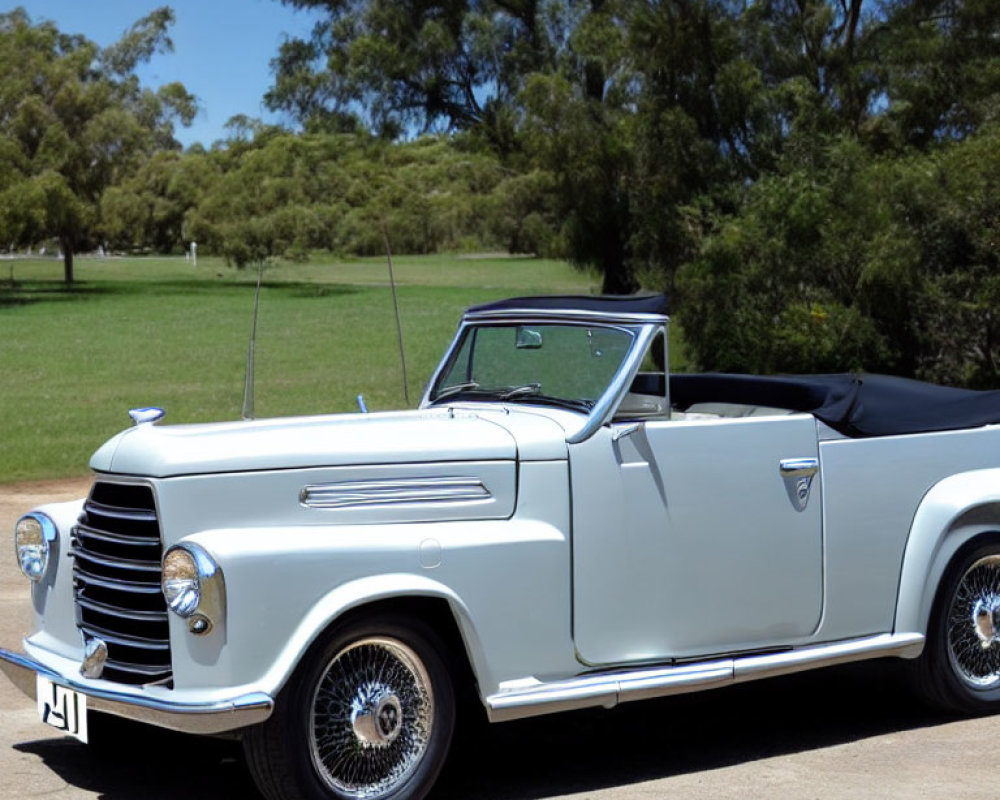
[{"x": 554, "y": 755}]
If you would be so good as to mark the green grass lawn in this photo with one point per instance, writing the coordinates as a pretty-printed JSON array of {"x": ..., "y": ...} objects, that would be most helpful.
[{"x": 158, "y": 331}]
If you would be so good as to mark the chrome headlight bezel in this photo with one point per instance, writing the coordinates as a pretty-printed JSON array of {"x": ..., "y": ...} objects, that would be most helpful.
[
  {"x": 193, "y": 586},
  {"x": 34, "y": 536}
]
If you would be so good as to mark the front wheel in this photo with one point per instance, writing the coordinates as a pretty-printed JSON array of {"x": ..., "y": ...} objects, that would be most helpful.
[
  {"x": 369, "y": 715},
  {"x": 960, "y": 667}
]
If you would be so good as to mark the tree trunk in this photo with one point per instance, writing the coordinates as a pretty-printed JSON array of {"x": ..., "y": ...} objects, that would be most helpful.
[
  {"x": 618, "y": 279},
  {"x": 67, "y": 249}
]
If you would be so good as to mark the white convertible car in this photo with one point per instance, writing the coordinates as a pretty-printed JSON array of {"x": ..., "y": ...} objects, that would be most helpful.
[{"x": 559, "y": 525}]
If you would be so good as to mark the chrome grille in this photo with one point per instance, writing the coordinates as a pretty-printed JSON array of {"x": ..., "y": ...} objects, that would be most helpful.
[{"x": 116, "y": 551}]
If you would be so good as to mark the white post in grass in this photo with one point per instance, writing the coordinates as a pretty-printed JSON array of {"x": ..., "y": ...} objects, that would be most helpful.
[{"x": 194, "y": 253}]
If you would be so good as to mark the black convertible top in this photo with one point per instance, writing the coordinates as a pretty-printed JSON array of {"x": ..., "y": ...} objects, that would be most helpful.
[
  {"x": 605, "y": 304},
  {"x": 855, "y": 405}
]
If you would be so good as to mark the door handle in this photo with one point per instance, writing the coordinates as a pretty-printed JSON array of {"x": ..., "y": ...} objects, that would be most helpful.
[
  {"x": 797, "y": 474},
  {"x": 798, "y": 467}
]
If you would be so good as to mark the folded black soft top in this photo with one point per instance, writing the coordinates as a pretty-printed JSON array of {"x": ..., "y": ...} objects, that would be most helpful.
[
  {"x": 605, "y": 304},
  {"x": 855, "y": 405}
]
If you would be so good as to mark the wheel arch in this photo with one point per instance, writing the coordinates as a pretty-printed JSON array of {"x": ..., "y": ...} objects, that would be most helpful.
[
  {"x": 955, "y": 514},
  {"x": 400, "y": 595}
]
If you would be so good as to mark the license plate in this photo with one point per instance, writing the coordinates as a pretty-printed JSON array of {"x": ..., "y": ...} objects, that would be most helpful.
[{"x": 62, "y": 708}]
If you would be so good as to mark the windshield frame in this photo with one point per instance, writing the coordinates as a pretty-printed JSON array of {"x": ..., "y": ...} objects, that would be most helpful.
[{"x": 643, "y": 326}]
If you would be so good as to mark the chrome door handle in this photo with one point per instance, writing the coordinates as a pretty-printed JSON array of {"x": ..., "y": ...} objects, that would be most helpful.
[
  {"x": 798, "y": 467},
  {"x": 797, "y": 474}
]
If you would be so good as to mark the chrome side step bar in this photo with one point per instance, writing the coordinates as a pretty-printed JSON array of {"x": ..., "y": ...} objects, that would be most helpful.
[{"x": 531, "y": 697}]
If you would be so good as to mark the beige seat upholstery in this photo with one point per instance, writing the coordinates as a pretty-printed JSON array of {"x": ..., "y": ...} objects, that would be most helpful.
[{"x": 735, "y": 410}]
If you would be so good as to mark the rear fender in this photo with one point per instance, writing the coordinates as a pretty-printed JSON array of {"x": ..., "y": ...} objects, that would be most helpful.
[{"x": 954, "y": 511}]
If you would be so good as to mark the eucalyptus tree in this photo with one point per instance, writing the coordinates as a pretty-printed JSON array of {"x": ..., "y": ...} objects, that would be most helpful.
[
  {"x": 75, "y": 121},
  {"x": 490, "y": 70}
]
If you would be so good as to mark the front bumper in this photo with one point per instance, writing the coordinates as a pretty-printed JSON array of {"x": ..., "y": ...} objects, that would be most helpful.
[{"x": 199, "y": 717}]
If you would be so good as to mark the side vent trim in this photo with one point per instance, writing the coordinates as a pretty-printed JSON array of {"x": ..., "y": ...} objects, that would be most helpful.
[{"x": 353, "y": 494}]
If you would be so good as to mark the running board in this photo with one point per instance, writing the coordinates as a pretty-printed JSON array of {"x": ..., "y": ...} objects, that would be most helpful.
[{"x": 530, "y": 697}]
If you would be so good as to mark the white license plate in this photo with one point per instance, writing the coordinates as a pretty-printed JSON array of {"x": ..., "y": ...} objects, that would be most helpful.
[{"x": 63, "y": 709}]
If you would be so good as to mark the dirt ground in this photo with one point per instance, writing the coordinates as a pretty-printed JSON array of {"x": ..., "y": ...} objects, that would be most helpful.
[{"x": 848, "y": 732}]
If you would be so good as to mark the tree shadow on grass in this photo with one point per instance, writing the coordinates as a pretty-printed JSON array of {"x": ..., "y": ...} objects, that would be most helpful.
[
  {"x": 34, "y": 292},
  {"x": 561, "y": 754}
]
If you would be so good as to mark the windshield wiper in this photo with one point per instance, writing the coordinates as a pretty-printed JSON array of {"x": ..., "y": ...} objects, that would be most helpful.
[
  {"x": 458, "y": 388},
  {"x": 529, "y": 389},
  {"x": 529, "y": 392},
  {"x": 580, "y": 404}
]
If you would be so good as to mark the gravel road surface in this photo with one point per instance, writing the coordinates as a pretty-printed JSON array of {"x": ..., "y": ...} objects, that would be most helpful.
[{"x": 848, "y": 732}]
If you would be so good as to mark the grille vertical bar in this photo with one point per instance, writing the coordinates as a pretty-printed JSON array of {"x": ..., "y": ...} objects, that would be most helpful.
[{"x": 116, "y": 548}]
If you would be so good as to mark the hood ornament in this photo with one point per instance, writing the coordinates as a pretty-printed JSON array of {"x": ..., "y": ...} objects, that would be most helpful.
[{"x": 146, "y": 416}]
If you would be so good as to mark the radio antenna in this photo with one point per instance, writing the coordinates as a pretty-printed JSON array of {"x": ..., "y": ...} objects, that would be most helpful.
[
  {"x": 395, "y": 305},
  {"x": 248, "y": 381}
]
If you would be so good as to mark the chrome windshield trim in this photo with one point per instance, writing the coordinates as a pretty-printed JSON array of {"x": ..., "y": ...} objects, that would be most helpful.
[
  {"x": 602, "y": 412},
  {"x": 646, "y": 326},
  {"x": 529, "y": 315},
  {"x": 350, "y": 494}
]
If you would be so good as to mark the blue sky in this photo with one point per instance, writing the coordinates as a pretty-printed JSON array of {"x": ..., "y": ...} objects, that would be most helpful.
[{"x": 221, "y": 49}]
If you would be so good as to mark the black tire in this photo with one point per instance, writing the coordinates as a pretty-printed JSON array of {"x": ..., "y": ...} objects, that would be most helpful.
[
  {"x": 959, "y": 670},
  {"x": 369, "y": 713}
]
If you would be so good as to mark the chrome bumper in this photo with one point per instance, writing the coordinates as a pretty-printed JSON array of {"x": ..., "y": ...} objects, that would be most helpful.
[{"x": 203, "y": 718}]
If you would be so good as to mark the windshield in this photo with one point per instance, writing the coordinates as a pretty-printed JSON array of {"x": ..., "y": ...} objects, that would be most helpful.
[{"x": 547, "y": 363}]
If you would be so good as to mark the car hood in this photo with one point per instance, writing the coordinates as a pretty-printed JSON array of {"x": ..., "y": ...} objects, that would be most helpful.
[{"x": 432, "y": 435}]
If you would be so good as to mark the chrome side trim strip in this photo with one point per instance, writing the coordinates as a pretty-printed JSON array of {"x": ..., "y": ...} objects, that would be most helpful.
[
  {"x": 350, "y": 494},
  {"x": 903, "y": 645},
  {"x": 201, "y": 718},
  {"x": 531, "y": 697}
]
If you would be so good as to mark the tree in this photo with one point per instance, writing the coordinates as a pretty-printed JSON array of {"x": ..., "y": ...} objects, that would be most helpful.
[
  {"x": 151, "y": 207},
  {"x": 76, "y": 123},
  {"x": 492, "y": 70},
  {"x": 417, "y": 63}
]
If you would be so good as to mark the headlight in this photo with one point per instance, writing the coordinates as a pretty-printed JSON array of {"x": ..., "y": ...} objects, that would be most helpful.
[
  {"x": 181, "y": 587},
  {"x": 194, "y": 587},
  {"x": 33, "y": 537}
]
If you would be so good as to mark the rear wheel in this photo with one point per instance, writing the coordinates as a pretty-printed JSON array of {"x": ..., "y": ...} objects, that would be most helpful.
[
  {"x": 369, "y": 715},
  {"x": 960, "y": 667}
]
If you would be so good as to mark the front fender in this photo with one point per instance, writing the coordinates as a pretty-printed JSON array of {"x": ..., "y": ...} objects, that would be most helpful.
[
  {"x": 505, "y": 582},
  {"x": 953, "y": 512},
  {"x": 361, "y": 592}
]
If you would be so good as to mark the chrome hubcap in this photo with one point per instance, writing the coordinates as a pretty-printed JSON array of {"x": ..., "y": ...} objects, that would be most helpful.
[
  {"x": 974, "y": 625},
  {"x": 372, "y": 717},
  {"x": 985, "y": 619},
  {"x": 376, "y": 716}
]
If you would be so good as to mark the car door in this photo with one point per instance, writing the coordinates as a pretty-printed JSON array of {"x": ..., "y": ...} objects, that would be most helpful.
[{"x": 693, "y": 538}]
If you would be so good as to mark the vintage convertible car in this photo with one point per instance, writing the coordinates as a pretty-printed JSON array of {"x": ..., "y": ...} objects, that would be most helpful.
[{"x": 559, "y": 525}]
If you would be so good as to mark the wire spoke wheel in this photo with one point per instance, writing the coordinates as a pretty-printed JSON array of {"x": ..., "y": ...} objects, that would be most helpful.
[
  {"x": 372, "y": 718},
  {"x": 973, "y": 625}
]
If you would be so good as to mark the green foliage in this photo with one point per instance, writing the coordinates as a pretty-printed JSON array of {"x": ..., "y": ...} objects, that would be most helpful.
[
  {"x": 283, "y": 195},
  {"x": 874, "y": 263},
  {"x": 75, "y": 123}
]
